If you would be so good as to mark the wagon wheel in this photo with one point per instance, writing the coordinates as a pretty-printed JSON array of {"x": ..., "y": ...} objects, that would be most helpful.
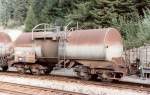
[
  {"x": 84, "y": 73},
  {"x": 104, "y": 79},
  {"x": 4, "y": 64},
  {"x": 84, "y": 76},
  {"x": 47, "y": 71},
  {"x": 4, "y": 68},
  {"x": 21, "y": 70},
  {"x": 94, "y": 77},
  {"x": 35, "y": 71}
]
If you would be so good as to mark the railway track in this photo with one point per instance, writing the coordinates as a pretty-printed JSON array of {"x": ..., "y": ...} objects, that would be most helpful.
[
  {"x": 9, "y": 92},
  {"x": 117, "y": 85},
  {"x": 18, "y": 89}
]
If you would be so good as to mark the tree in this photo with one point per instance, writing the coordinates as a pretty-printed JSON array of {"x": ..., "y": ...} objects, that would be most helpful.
[
  {"x": 6, "y": 10},
  {"x": 34, "y": 14},
  {"x": 99, "y": 13},
  {"x": 13, "y": 10},
  {"x": 55, "y": 11},
  {"x": 51, "y": 11},
  {"x": 88, "y": 13},
  {"x": 31, "y": 20},
  {"x": 20, "y": 10},
  {"x": 142, "y": 5}
]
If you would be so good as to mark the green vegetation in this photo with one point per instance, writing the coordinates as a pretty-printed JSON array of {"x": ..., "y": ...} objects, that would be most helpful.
[
  {"x": 131, "y": 17},
  {"x": 13, "y": 12},
  {"x": 135, "y": 32}
]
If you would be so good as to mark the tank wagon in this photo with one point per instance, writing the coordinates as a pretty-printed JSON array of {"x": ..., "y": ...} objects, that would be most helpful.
[
  {"x": 91, "y": 53},
  {"x": 6, "y": 50},
  {"x": 98, "y": 52}
]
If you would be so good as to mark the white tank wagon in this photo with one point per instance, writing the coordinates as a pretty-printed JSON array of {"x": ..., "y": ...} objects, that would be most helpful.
[
  {"x": 92, "y": 52},
  {"x": 96, "y": 51},
  {"x": 6, "y": 50}
]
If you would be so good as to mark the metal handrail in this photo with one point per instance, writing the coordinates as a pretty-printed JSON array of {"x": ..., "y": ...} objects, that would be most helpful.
[{"x": 45, "y": 24}]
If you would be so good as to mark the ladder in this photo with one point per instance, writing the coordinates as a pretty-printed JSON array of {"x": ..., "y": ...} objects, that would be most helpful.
[
  {"x": 62, "y": 47},
  {"x": 62, "y": 44}
]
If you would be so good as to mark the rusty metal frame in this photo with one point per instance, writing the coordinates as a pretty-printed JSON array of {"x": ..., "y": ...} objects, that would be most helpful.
[
  {"x": 47, "y": 27},
  {"x": 143, "y": 54}
]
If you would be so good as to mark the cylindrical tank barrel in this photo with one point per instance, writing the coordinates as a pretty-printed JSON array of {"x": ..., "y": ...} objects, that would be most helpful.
[
  {"x": 5, "y": 44},
  {"x": 93, "y": 44}
]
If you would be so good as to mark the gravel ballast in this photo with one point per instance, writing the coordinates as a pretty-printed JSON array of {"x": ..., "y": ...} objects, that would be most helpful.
[{"x": 70, "y": 86}]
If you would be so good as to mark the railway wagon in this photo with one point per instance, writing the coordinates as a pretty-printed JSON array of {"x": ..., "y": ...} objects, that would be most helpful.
[
  {"x": 6, "y": 50},
  {"x": 95, "y": 52},
  {"x": 91, "y": 53}
]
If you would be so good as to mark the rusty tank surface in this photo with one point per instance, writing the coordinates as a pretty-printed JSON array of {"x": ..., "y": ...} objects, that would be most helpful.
[
  {"x": 5, "y": 44},
  {"x": 24, "y": 50},
  {"x": 6, "y": 49},
  {"x": 38, "y": 54},
  {"x": 96, "y": 51},
  {"x": 41, "y": 47},
  {"x": 93, "y": 44},
  {"x": 4, "y": 38},
  {"x": 49, "y": 45}
]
